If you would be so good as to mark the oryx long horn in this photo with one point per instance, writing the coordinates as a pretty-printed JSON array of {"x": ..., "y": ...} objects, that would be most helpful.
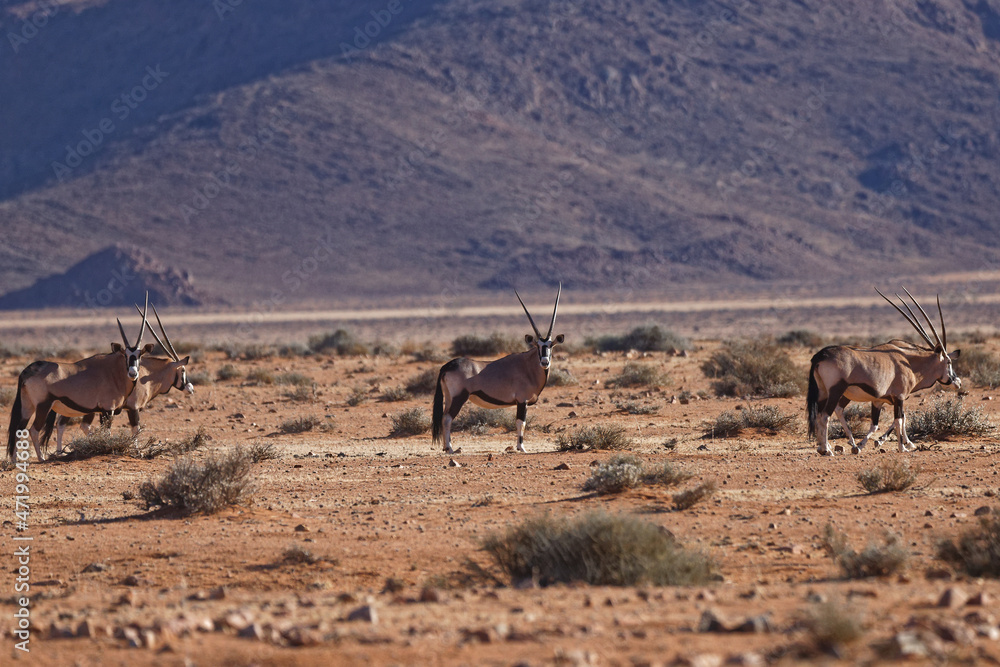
[
  {"x": 122, "y": 330},
  {"x": 944, "y": 331},
  {"x": 929, "y": 323},
  {"x": 537, "y": 333},
  {"x": 554, "y": 311},
  {"x": 142, "y": 327},
  {"x": 912, "y": 322},
  {"x": 167, "y": 347}
]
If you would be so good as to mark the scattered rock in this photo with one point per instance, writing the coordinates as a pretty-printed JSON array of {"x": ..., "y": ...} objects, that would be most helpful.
[
  {"x": 452, "y": 463},
  {"x": 430, "y": 594},
  {"x": 710, "y": 622},
  {"x": 482, "y": 635},
  {"x": 955, "y": 632},
  {"x": 301, "y": 528},
  {"x": 366, "y": 613},
  {"x": 906, "y": 645},
  {"x": 562, "y": 466},
  {"x": 252, "y": 631},
  {"x": 755, "y": 625},
  {"x": 303, "y": 636},
  {"x": 983, "y": 511},
  {"x": 953, "y": 598},
  {"x": 95, "y": 567}
]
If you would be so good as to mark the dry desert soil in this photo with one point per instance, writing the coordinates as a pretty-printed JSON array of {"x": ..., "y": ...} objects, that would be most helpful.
[{"x": 358, "y": 547}]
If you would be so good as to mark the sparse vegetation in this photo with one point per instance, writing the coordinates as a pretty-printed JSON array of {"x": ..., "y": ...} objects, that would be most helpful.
[
  {"x": 980, "y": 366},
  {"x": 248, "y": 352},
  {"x": 599, "y": 437},
  {"x": 259, "y": 376},
  {"x": 395, "y": 394},
  {"x": 301, "y": 394},
  {"x": 7, "y": 395},
  {"x": 874, "y": 561},
  {"x": 409, "y": 422},
  {"x": 754, "y": 368},
  {"x": 104, "y": 442},
  {"x": 560, "y": 377},
  {"x": 358, "y": 396},
  {"x": 977, "y": 551},
  {"x": 598, "y": 549},
  {"x": 801, "y": 338},
  {"x": 481, "y": 420},
  {"x": 228, "y": 372},
  {"x": 299, "y": 555},
  {"x": 189, "y": 486},
  {"x": 293, "y": 379},
  {"x": 832, "y": 627},
  {"x": 340, "y": 342},
  {"x": 946, "y": 419},
  {"x": 637, "y": 408},
  {"x": 153, "y": 448},
  {"x": 893, "y": 475},
  {"x": 627, "y": 471},
  {"x": 648, "y": 338},
  {"x": 732, "y": 423},
  {"x": 201, "y": 378},
  {"x": 857, "y": 416},
  {"x": 636, "y": 374},
  {"x": 258, "y": 451},
  {"x": 423, "y": 383},
  {"x": 691, "y": 497},
  {"x": 299, "y": 424},
  {"x": 493, "y": 345}
]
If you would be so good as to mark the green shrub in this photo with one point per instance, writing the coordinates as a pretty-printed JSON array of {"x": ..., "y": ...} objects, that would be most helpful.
[
  {"x": 647, "y": 338},
  {"x": 639, "y": 375},
  {"x": 892, "y": 475},
  {"x": 977, "y": 551},
  {"x": 495, "y": 344},
  {"x": 875, "y": 561},
  {"x": 599, "y": 437},
  {"x": 410, "y": 422},
  {"x": 189, "y": 486},
  {"x": 754, "y": 368},
  {"x": 947, "y": 419},
  {"x": 598, "y": 549},
  {"x": 731, "y": 423},
  {"x": 340, "y": 342}
]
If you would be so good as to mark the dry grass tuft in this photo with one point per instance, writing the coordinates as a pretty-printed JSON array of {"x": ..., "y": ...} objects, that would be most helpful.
[
  {"x": 977, "y": 551},
  {"x": 754, "y": 368},
  {"x": 202, "y": 487},
  {"x": 732, "y": 423},
  {"x": 874, "y": 561},
  {"x": 893, "y": 475},
  {"x": 599, "y": 437},
  {"x": 409, "y": 422}
]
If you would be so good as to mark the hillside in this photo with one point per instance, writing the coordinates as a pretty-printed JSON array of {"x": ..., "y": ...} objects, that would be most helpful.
[{"x": 277, "y": 153}]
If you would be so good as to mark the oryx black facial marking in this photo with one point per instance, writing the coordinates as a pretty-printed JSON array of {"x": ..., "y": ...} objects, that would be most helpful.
[
  {"x": 514, "y": 380},
  {"x": 882, "y": 375}
]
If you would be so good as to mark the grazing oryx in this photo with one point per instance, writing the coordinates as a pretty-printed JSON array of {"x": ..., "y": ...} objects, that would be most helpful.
[
  {"x": 157, "y": 375},
  {"x": 516, "y": 379},
  {"x": 95, "y": 384},
  {"x": 882, "y": 375}
]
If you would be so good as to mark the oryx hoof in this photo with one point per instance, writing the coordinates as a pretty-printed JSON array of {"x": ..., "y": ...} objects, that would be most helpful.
[
  {"x": 855, "y": 450},
  {"x": 824, "y": 452}
]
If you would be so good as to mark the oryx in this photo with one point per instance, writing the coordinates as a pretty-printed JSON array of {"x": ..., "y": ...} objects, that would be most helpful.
[
  {"x": 99, "y": 383},
  {"x": 156, "y": 376},
  {"x": 882, "y": 375},
  {"x": 516, "y": 379}
]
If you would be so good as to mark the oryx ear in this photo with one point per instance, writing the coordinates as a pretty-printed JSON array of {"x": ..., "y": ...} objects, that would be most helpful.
[
  {"x": 117, "y": 347},
  {"x": 147, "y": 348},
  {"x": 954, "y": 355},
  {"x": 529, "y": 339},
  {"x": 560, "y": 338},
  {"x": 185, "y": 360}
]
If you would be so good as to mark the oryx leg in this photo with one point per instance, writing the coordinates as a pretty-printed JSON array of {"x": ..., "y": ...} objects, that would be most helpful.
[
  {"x": 823, "y": 417},
  {"x": 522, "y": 414},
  {"x": 839, "y": 411},
  {"x": 899, "y": 423},
  {"x": 133, "y": 420},
  {"x": 38, "y": 424},
  {"x": 453, "y": 405},
  {"x": 876, "y": 412}
]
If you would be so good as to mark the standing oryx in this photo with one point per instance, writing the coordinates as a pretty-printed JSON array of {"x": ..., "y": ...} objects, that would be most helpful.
[
  {"x": 156, "y": 376},
  {"x": 99, "y": 383},
  {"x": 516, "y": 379},
  {"x": 882, "y": 375}
]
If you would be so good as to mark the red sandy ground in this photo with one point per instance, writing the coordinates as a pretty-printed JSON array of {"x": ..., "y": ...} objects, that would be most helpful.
[{"x": 391, "y": 523}]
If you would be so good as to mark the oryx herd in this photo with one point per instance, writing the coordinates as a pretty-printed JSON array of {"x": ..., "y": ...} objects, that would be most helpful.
[{"x": 49, "y": 393}]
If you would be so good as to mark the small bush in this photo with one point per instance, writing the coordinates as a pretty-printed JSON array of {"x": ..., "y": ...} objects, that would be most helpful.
[
  {"x": 648, "y": 338},
  {"x": 948, "y": 419},
  {"x": 481, "y": 420},
  {"x": 858, "y": 416},
  {"x": 410, "y": 422},
  {"x": 637, "y": 408},
  {"x": 425, "y": 353},
  {"x": 358, "y": 396},
  {"x": 299, "y": 424},
  {"x": 248, "y": 352},
  {"x": 691, "y": 497},
  {"x": 7, "y": 395},
  {"x": 754, "y": 368},
  {"x": 153, "y": 448},
  {"x": 639, "y": 375},
  {"x": 665, "y": 475},
  {"x": 598, "y": 549},
  {"x": 619, "y": 473},
  {"x": 424, "y": 383},
  {"x": 732, "y": 423},
  {"x": 395, "y": 394},
  {"x": 801, "y": 338},
  {"x": 832, "y": 627},
  {"x": 601, "y": 436},
  {"x": 299, "y": 555},
  {"x": 301, "y": 394},
  {"x": 190, "y": 486},
  {"x": 875, "y": 561},
  {"x": 228, "y": 372},
  {"x": 260, "y": 376},
  {"x": 340, "y": 342},
  {"x": 495, "y": 344},
  {"x": 980, "y": 366},
  {"x": 201, "y": 378},
  {"x": 294, "y": 380},
  {"x": 104, "y": 442},
  {"x": 977, "y": 551},
  {"x": 892, "y": 475},
  {"x": 258, "y": 451},
  {"x": 559, "y": 377}
]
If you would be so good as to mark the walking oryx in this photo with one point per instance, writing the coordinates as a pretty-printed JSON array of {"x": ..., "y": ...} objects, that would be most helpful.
[
  {"x": 882, "y": 375},
  {"x": 516, "y": 379},
  {"x": 99, "y": 383},
  {"x": 157, "y": 375}
]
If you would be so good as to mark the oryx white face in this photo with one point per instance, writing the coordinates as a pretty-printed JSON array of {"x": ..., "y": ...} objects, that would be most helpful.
[
  {"x": 132, "y": 359},
  {"x": 181, "y": 380},
  {"x": 544, "y": 347},
  {"x": 948, "y": 376}
]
